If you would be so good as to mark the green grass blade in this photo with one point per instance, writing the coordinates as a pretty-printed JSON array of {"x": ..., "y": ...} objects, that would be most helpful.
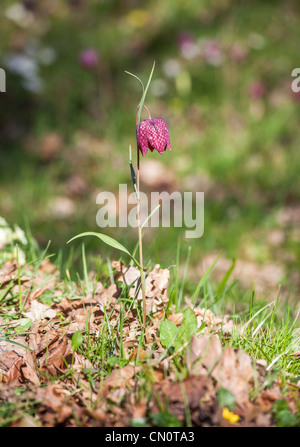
[
  {"x": 225, "y": 279},
  {"x": 145, "y": 93},
  {"x": 142, "y": 101},
  {"x": 150, "y": 215},
  {"x": 204, "y": 278}
]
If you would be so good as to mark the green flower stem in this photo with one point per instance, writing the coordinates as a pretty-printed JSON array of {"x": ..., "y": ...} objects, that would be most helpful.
[
  {"x": 140, "y": 227},
  {"x": 138, "y": 119},
  {"x": 140, "y": 240}
]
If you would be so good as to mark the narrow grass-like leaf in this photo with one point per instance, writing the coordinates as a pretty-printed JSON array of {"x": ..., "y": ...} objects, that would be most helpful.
[
  {"x": 225, "y": 279},
  {"x": 85, "y": 271},
  {"x": 204, "y": 278},
  {"x": 132, "y": 172},
  {"x": 257, "y": 313},
  {"x": 5, "y": 291},
  {"x": 180, "y": 295},
  {"x": 261, "y": 324},
  {"x": 107, "y": 240},
  {"x": 145, "y": 93},
  {"x": 150, "y": 215},
  {"x": 141, "y": 103}
]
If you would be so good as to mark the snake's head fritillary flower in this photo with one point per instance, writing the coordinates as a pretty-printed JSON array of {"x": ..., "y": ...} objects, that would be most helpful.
[{"x": 152, "y": 133}]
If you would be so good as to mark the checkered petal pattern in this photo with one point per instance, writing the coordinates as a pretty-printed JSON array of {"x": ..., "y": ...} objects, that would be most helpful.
[{"x": 152, "y": 133}]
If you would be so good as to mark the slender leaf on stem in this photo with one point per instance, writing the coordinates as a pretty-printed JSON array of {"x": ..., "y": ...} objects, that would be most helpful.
[
  {"x": 85, "y": 271},
  {"x": 107, "y": 240},
  {"x": 132, "y": 172}
]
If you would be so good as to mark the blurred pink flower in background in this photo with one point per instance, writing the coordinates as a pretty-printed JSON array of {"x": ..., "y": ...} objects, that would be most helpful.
[
  {"x": 256, "y": 89},
  {"x": 89, "y": 58},
  {"x": 188, "y": 46},
  {"x": 212, "y": 52},
  {"x": 152, "y": 133},
  {"x": 238, "y": 53},
  {"x": 295, "y": 96}
]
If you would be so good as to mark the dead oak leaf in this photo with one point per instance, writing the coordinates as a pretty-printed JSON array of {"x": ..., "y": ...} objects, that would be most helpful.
[
  {"x": 234, "y": 372},
  {"x": 156, "y": 285},
  {"x": 39, "y": 311},
  {"x": 52, "y": 360},
  {"x": 176, "y": 318},
  {"x": 8, "y": 272},
  {"x": 203, "y": 353},
  {"x": 53, "y": 404},
  {"x": 119, "y": 378},
  {"x": 41, "y": 337},
  {"x": 18, "y": 364},
  {"x": 196, "y": 392}
]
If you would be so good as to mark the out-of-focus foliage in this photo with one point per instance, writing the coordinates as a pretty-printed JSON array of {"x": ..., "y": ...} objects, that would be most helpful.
[{"x": 223, "y": 84}]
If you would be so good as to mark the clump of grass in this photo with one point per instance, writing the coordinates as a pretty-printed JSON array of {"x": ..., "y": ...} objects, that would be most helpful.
[{"x": 268, "y": 336}]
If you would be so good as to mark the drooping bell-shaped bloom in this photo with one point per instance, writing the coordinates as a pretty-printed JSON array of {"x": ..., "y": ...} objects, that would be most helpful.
[{"x": 152, "y": 133}]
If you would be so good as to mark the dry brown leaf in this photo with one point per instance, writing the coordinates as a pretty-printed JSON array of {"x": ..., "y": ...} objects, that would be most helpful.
[
  {"x": 52, "y": 403},
  {"x": 10, "y": 363},
  {"x": 107, "y": 298},
  {"x": 63, "y": 414},
  {"x": 156, "y": 289},
  {"x": 8, "y": 272},
  {"x": 234, "y": 372},
  {"x": 119, "y": 378},
  {"x": 140, "y": 355},
  {"x": 139, "y": 409},
  {"x": 196, "y": 392},
  {"x": 156, "y": 285},
  {"x": 269, "y": 396},
  {"x": 80, "y": 362},
  {"x": 41, "y": 337},
  {"x": 36, "y": 293},
  {"x": 99, "y": 414},
  {"x": 53, "y": 359},
  {"x": 206, "y": 315},
  {"x": 39, "y": 311},
  {"x": 18, "y": 364},
  {"x": 176, "y": 318},
  {"x": 129, "y": 275},
  {"x": 25, "y": 421},
  {"x": 28, "y": 368},
  {"x": 202, "y": 352}
]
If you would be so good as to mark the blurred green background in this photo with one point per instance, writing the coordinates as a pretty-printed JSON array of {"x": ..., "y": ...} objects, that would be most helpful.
[{"x": 222, "y": 83}]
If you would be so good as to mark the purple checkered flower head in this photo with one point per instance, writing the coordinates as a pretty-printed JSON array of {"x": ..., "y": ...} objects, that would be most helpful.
[{"x": 152, "y": 133}]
